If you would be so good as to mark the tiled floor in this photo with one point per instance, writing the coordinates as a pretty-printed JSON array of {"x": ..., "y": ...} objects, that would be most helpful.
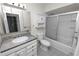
[{"x": 52, "y": 52}]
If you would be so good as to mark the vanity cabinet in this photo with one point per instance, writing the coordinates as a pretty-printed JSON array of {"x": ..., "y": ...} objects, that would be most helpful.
[{"x": 28, "y": 49}]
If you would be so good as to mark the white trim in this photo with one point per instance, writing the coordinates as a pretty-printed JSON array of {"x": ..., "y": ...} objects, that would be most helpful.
[
  {"x": 5, "y": 22},
  {"x": 76, "y": 30},
  {"x": 64, "y": 13},
  {"x": 76, "y": 53}
]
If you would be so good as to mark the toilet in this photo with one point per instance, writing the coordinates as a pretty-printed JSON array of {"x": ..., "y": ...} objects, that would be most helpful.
[{"x": 44, "y": 44}]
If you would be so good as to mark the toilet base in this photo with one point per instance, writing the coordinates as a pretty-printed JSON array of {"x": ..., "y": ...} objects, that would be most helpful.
[{"x": 44, "y": 48}]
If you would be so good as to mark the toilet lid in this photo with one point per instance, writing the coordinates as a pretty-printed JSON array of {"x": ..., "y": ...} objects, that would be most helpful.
[{"x": 45, "y": 42}]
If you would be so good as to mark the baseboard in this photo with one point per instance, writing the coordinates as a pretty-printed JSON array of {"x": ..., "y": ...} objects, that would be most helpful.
[{"x": 62, "y": 47}]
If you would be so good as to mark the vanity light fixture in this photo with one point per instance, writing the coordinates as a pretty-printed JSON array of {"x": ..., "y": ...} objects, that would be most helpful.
[
  {"x": 18, "y": 4},
  {"x": 23, "y": 6},
  {"x": 13, "y": 3}
]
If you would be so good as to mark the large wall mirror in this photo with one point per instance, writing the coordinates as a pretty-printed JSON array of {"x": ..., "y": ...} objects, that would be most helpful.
[
  {"x": 14, "y": 20},
  {"x": 12, "y": 23}
]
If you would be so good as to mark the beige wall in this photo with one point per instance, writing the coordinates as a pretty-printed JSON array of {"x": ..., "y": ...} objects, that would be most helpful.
[
  {"x": 52, "y": 6},
  {"x": 35, "y": 7},
  {"x": 44, "y": 7}
]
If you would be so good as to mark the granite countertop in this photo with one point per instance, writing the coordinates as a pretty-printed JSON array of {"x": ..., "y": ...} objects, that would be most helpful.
[{"x": 8, "y": 44}]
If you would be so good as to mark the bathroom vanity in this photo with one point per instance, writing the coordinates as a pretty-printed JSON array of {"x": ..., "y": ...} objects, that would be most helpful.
[
  {"x": 14, "y": 27},
  {"x": 12, "y": 47}
]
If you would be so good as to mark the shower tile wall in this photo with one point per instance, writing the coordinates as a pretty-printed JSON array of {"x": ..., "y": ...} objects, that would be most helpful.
[
  {"x": 61, "y": 28},
  {"x": 66, "y": 28},
  {"x": 51, "y": 27}
]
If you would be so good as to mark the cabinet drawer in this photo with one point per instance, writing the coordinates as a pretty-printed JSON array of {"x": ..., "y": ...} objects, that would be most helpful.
[
  {"x": 22, "y": 50},
  {"x": 25, "y": 51},
  {"x": 32, "y": 45},
  {"x": 19, "y": 53},
  {"x": 32, "y": 41},
  {"x": 30, "y": 50},
  {"x": 13, "y": 54},
  {"x": 32, "y": 54},
  {"x": 33, "y": 50}
]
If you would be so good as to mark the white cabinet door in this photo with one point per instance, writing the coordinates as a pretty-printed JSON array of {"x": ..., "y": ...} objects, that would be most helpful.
[
  {"x": 26, "y": 20},
  {"x": 22, "y": 52},
  {"x": 13, "y": 54}
]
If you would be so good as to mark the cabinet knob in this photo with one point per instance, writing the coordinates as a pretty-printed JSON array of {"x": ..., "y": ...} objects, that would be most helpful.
[
  {"x": 75, "y": 32},
  {"x": 17, "y": 55},
  {"x": 32, "y": 49},
  {"x": 76, "y": 38},
  {"x": 32, "y": 46},
  {"x": 25, "y": 27},
  {"x": 32, "y": 55},
  {"x": 13, "y": 3}
]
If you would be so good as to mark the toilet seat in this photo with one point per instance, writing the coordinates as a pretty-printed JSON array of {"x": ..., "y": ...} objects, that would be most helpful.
[{"x": 45, "y": 42}]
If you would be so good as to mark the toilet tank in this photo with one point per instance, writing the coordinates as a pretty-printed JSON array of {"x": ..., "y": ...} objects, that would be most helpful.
[{"x": 40, "y": 36}]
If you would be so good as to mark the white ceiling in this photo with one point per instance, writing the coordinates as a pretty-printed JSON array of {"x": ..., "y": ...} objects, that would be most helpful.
[{"x": 55, "y": 8}]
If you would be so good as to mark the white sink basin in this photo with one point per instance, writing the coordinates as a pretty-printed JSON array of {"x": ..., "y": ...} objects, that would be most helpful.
[{"x": 20, "y": 39}]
